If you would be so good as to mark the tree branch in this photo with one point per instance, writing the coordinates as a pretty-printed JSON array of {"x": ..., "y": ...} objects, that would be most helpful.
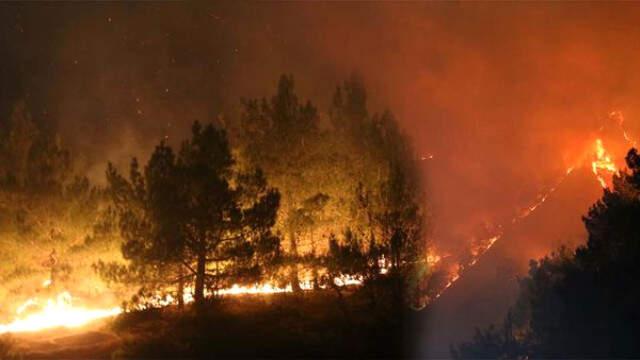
[
  {"x": 181, "y": 278},
  {"x": 189, "y": 267}
]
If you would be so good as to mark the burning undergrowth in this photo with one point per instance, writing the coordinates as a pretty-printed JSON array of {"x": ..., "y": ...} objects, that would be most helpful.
[
  {"x": 597, "y": 156},
  {"x": 283, "y": 201},
  {"x": 51, "y": 304}
]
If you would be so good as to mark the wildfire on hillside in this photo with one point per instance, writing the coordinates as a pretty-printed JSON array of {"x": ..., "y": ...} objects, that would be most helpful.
[
  {"x": 59, "y": 311},
  {"x": 602, "y": 164},
  {"x": 62, "y": 310}
]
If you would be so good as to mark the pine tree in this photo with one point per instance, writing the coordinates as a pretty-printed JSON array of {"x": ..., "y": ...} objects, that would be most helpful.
[{"x": 192, "y": 216}]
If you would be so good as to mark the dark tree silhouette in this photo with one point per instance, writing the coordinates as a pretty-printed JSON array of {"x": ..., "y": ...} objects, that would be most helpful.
[
  {"x": 583, "y": 303},
  {"x": 192, "y": 216}
]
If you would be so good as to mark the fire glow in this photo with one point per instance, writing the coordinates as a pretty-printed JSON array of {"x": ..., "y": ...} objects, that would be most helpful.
[
  {"x": 603, "y": 163},
  {"x": 602, "y": 166},
  {"x": 486, "y": 245},
  {"x": 60, "y": 311}
]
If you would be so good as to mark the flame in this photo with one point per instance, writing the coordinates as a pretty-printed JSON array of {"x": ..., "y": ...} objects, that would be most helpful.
[
  {"x": 619, "y": 119},
  {"x": 60, "y": 312},
  {"x": 486, "y": 245},
  {"x": 266, "y": 288},
  {"x": 602, "y": 164},
  {"x": 255, "y": 289},
  {"x": 433, "y": 259},
  {"x": 35, "y": 315},
  {"x": 55, "y": 312},
  {"x": 162, "y": 299},
  {"x": 258, "y": 289}
]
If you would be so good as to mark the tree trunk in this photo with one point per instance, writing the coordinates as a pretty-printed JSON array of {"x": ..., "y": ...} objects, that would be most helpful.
[
  {"x": 180, "y": 288},
  {"x": 316, "y": 281},
  {"x": 200, "y": 274},
  {"x": 293, "y": 247}
]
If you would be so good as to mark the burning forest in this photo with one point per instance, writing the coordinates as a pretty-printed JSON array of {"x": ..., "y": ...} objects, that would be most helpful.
[
  {"x": 362, "y": 180},
  {"x": 244, "y": 211}
]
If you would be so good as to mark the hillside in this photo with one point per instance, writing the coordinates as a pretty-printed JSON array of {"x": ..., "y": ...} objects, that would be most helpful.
[{"x": 485, "y": 292}]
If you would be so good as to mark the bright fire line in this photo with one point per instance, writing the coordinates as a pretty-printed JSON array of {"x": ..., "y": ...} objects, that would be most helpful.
[
  {"x": 57, "y": 312},
  {"x": 36, "y": 315},
  {"x": 602, "y": 166}
]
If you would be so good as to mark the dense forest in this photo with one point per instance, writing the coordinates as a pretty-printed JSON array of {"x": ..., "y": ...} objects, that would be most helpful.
[{"x": 286, "y": 196}]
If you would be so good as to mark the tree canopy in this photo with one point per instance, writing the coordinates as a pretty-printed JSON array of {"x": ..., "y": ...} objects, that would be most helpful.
[
  {"x": 348, "y": 170},
  {"x": 193, "y": 216}
]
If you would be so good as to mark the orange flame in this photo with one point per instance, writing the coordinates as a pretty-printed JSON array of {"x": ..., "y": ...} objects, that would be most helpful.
[
  {"x": 487, "y": 244},
  {"x": 602, "y": 164},
  {"x": 54, "y": 312},
  {"x": 35, "y": 314}
]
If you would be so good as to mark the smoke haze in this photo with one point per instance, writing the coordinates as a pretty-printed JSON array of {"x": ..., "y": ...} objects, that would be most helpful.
[{"x": 504, "y": 96}]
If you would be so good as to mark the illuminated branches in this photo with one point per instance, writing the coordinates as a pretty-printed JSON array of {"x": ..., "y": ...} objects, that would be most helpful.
[
  {"x": 192, "y": 217},
  {"x": 351, "y": 170}
]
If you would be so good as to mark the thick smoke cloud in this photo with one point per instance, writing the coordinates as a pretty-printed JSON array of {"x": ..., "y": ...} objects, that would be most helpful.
[{"x": 503, "y": 95}]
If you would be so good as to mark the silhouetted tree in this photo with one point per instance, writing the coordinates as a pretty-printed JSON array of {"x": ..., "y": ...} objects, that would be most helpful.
[
  {"x": 493, "y": 343},
  {"x": 343, "y": 259},
  {"x": 150, "y": 210},
  {"x": 193, "y": 216},
  {"x": 585, "y": 303}
]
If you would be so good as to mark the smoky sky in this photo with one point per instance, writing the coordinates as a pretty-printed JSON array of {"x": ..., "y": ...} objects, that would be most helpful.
[{"x": 503, "y": 95}]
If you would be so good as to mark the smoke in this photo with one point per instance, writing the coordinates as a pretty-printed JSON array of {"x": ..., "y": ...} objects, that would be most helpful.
[
  {"x": 503, "y": 95},
  {"x": 499, "y": 98}
]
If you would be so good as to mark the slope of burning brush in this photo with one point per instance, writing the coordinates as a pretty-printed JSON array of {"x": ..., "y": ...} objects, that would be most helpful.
[
  {"x": 602, "y": 163},
  {"x": 63, "y": 310}
]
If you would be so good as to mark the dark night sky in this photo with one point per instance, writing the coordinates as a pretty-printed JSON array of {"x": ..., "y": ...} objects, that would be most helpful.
[{"x": 503, "y": 94}]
